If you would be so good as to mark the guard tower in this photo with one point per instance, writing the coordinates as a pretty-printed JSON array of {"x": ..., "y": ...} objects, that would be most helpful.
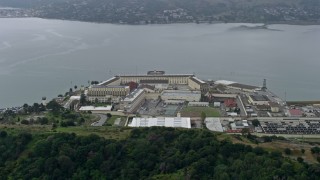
[{"x": 264, "y": 87}]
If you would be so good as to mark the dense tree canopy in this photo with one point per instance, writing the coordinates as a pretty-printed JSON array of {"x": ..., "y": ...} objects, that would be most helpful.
[{"x": 163, "y": 153}]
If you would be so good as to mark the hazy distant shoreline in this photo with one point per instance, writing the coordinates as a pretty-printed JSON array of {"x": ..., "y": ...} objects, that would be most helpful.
[{"x": 301, "y": 23}]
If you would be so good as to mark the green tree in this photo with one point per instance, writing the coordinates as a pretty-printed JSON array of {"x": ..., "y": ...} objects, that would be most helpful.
[
  {"x": 300, "y": 159},
  {"x": 3, "y": 134},
  {"x": 25, "y": 122},
  {"x": 245, "y": 132},
  {"x": 25, "y": 108},
  {"x": 36, "y": 108},
  {"x": 255, "y": 123},
  {"x": 54, "y": 126},
  {"x": 43, "y": 120},
  {"x": 287, "y": 151},
  {"x": 54, "y": 106},
  {"x": 82, "y": 99},
  {"x": 203, "y": 116},
  {"x": 315, "y": 150},
  {"x": 66, "y": 165}
]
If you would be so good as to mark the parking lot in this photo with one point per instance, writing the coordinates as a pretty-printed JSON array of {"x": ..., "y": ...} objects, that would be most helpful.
[
  {"x": 159, "y": 108},
  {"x": 291, "y": 127}
]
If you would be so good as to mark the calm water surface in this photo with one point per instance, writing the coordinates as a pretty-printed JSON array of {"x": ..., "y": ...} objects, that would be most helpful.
[{"x": 41, "y": 57}]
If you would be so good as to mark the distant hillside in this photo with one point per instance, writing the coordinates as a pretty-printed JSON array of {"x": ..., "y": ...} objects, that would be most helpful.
[
  {"x": 150, "y": 153},
  {"x": 174, "y": 11}
]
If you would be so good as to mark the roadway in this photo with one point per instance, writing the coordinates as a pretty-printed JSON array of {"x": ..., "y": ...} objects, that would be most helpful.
[
  {"x": 243, "y": 112},
  {"x": 102, "y": 120}
]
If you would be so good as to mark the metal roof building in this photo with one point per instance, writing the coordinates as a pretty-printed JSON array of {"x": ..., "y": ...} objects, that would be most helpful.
[{"x": 176, "y": 122}]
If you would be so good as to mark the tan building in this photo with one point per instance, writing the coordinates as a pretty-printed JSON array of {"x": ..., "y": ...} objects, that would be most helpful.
[
  {"x": 275, "y": 107},
  {"x": 106, "y": 94},
  {"x": 100, "y": 90},
  {"x": 160, "y": 80},
  {"x": 133, "y": 101},
  {"x": 197, "y": 84}
]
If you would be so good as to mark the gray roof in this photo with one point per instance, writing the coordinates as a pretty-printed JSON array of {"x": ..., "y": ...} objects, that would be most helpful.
[
  {"x": 165, "y": 75},
  {"x": 199, "y": 81},
  {"x": 259, "y": 97},
  {"x": 154, "y": 81},
  {"x": 146, "y": 86},
  {"x": 103, "y": 86},
  {"x": 243, "y": 86},
  {"x": 113, "y": 79}
]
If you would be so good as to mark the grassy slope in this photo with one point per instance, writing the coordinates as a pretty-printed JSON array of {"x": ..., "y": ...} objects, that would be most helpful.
[
  {"x": 122, "y": 133},
  {"x": 104, "y": 131},
  {"x": 276, "y": 146}
]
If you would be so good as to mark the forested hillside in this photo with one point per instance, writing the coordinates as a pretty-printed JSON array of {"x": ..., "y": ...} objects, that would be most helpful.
[
  {"x": 174, "y": 11},
  {"x": 151, "y": 153}
]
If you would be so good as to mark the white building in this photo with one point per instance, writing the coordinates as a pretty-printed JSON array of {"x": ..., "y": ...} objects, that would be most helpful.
[
  {"x": 176, "y": 122},
  {"x": 214, "y": 124},
  {"x": 198, "y": 104},
  {"x": 239, "y": 125},
  {"x": 93, "y": 109},
  {"x": 243, "y": 87},
  {"x": 216, "y": 104}
]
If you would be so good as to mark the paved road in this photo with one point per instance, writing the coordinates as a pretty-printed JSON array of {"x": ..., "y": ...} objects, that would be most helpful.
[
  {"x": 102, "y": 120},
  {"x": 243, "y": 112},
  {"x": 67, "y": 105}
]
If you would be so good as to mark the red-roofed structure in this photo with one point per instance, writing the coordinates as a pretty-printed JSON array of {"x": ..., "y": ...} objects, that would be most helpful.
[
  {"x": 295, "y": 112},
  {"x": 231, "y": 103}
]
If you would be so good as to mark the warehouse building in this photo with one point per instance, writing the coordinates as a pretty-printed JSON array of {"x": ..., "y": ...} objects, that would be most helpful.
[
  {"x": 198, "y": 104},
  {"x": 175, "y": 122}
]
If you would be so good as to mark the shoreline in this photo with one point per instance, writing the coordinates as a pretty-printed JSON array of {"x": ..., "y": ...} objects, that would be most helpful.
[{"x": 297, "y": 23}]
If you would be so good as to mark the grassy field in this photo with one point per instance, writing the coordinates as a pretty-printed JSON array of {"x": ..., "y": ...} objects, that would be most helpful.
[
  {"x": 110, "y": 121},
  {"x": 276, "y": 146},
  {"x": 196, "y": 112},
  {"x": 104, "y": 131}
]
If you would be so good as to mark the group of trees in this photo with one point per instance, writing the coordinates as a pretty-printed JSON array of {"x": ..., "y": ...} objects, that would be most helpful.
[
  {"x": 69, "y": 118},
  {"x": 148, "y": 153},
  {"x": 39, "y": 120},
  {"x": 54, "y": 107},
  {"x": 35, "y": 108}
]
